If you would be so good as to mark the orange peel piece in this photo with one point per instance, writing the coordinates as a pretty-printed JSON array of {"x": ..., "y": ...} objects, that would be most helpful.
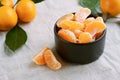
[{"x": 51, "y": 61}]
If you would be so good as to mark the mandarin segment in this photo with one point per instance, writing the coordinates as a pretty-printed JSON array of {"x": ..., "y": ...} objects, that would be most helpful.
[
  {"x": 77, "y": 33},
  {"x": 88, "y": 20},
  {"x": 51, "y": 60},
  {"x": 66, "y": 17},
  {"x": 95, "y": 27},
  {"x": 98, "y": 35},
  {"x": 82, "y": 14},
  {"x": 67, "y": 35},
  {"x": 39, "y": 58},
  {"x": 89, "y": 28},
  {"x": 85, "y": 37},
  {"x": 72, "y": 25}
]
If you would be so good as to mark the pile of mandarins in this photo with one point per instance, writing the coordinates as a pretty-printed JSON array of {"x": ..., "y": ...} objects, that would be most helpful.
[
  {"x": 80, "y": 28},
  {"x": 25, "y": 11}
]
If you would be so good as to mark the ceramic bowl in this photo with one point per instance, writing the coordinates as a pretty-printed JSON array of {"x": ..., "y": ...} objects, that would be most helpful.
[{"x": 79, "y": 53}]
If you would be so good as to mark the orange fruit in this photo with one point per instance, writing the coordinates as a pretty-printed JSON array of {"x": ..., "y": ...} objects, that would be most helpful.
[
  {"x": 7, "y": 3},
  {"x": 82, "y": 14},
  {"x": 64, "y": 18},
  {"x": 39, "y": 57},
  {"x": 95, "y": 27},
  {"x": 67, "y": 35},
  {"x": 111, "y": 7},
  {"x": 8, "y": 18},
  {"x": 85, "y": 37},
  {"x": 26, "y": 10},
  {"x": 51, "y": 60},
  {"x": 72, "y": 25}
]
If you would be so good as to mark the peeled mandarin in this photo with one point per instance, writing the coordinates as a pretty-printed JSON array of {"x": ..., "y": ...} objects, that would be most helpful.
[
  {"x": 39, "y": 58},
  {"x": 95, "y": 27},
  {"x": 72, "y": 25},
  {"x": 67, "y": 35},
  {"x": 66, "y": 17},
  {"x": 82, "y": 14},
  {"x": 51, "y": 60},
  {"x": 85, "y": 37}
]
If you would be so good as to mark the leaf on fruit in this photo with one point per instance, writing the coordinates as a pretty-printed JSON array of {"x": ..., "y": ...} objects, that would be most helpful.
[
  {"x": 93, "y": 5},
  {"x": 37, "y": 1},
  {"x": 0, "y": 3},
  {"x": 15, "y": 38}
]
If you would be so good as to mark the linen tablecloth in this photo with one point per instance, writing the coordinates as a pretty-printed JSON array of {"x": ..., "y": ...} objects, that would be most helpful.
[{"x": 18, "y": 65}]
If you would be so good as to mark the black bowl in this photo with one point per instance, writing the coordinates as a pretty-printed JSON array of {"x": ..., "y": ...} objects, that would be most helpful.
[{"x": 79, "y": 53}]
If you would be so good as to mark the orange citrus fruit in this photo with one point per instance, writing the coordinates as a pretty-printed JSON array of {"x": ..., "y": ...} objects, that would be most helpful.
[
  {"x": 51, "y": 60},
  {"x": 8, "y": 18},
  {"x": 111, "y": 7},
  {"x": 26, "y": 10},
  {"x": 7, "y": 3}
]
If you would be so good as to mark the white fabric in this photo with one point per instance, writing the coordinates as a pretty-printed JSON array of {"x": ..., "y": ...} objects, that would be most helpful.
[{"x": 18, "y": 65}]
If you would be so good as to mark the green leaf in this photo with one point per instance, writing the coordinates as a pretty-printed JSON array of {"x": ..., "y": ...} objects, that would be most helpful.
[
  {"x": 37, "y": 1},
  {"x": 0, "y": 3},
  {"x": 93, "y": 5},
  {"x": 15, "y": 38}
]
